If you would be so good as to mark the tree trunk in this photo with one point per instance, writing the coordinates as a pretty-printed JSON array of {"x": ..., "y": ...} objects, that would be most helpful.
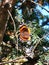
[{"x": 4, "y": 6}]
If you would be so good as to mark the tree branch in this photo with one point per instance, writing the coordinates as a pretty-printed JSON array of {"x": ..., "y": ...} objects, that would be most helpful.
[
  {"x": 40, "y": 6},
  {"x": 17, "y": 60}
]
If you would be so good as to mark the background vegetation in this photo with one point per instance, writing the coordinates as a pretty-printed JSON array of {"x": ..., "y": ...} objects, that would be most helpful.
[{"x": 35, "y": 15}]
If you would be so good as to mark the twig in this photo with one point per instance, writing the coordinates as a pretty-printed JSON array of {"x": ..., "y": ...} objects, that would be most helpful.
[
  {"x": 14, "y": 60},
  {"x": 40, "y": 6},
  {"x": 6, "y": 23},
  {"x": 17, "y": 45},
  {"x": 12, "y": 20},
  {"x": 39, "y": 42}
]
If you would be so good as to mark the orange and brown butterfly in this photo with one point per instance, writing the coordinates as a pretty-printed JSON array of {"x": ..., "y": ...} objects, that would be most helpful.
[{"x": 24, "y": 33}]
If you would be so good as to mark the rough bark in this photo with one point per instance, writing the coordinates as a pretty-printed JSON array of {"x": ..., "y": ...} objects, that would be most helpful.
[{"x": 4, "y": 6}]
